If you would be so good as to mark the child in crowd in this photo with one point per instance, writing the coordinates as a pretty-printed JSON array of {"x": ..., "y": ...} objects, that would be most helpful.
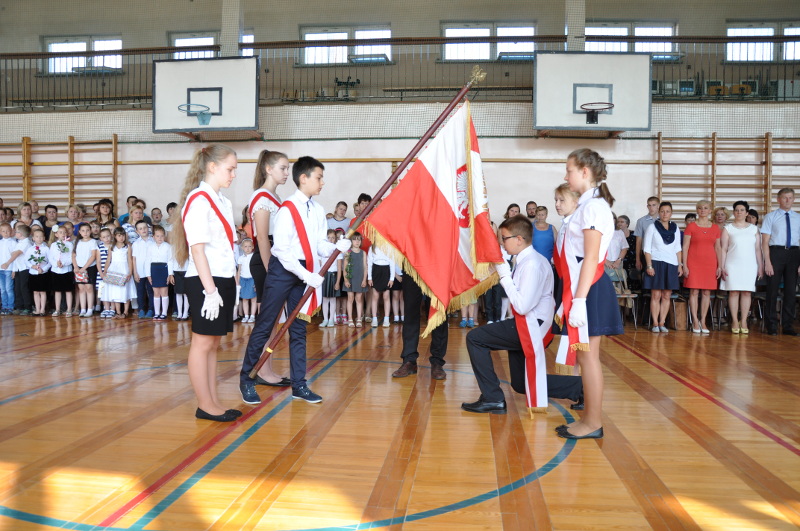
[
  {"x": 181, "y": 300},
  {"x": 7, "y": 244},
  {"x": 84, "y": 261},
  {"x": 330, "y": 288},
  {"x": 96, "y": 227},
  {"x": 120, "y": 289},
  {"x": 244, "y": 279},
  {"x": 341, "y": 300},
  {"x": 70, "y": 228},
  {"x": 355, "y": 280},
  {"x": 158, "y": 267},
  {"x": 61, "y": 270},
  {"x": 380, "y": 277},
  {"x": 38, "y": 258},
  {"x": 19, "y": 265},
  {"x": 155, "y": 216},
  {"x": 397, "y": 296},
  {"x": 103, "y": 250},
  {"x": 140, "y": 248}
]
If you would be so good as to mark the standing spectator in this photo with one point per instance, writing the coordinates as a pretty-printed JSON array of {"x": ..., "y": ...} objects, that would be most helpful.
[
  {"x": 171, "y": 213},
  {"x": 156, "y": 216},
  {"x": 50, "y": 219},
  {"x": 105, "y": 212},
  {"x": 35, "y": 212},
  {"x": 662, "y": 252},
  {"x": 641, "y": 226},
  {"x": 752, "y": 217},
  {"x": 26, "y": 216},
  {"x": 530, "y": 210},
  {"x": 617, "y": 251},
  {"x": 703, "y": 254},
  {"x": 780, "y": 241},
  {"x": 544, "y": 234},
  {"x": 128, "y": 206},
  {"x": 721, "y": 216},
  {"x": 624, "y": 225},
  {"x": 339, "y": 219},
  {"x": 74, "y": 217},
  {"x": 741, "y": 265}
]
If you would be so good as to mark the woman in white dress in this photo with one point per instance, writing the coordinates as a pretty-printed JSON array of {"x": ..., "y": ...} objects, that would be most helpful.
[{"x": 742, "y": 265}]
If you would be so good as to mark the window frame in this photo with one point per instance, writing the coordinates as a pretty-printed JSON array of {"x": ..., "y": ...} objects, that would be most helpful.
[
  {"x": 779, "y": 50},
  {"x": 671, "y": 55},
  {"x": 352, "y": 55},
  {"x": 174, "y": 36},
  {"x": 88, "y": 64},
  {"x": 492, "y": 26}
]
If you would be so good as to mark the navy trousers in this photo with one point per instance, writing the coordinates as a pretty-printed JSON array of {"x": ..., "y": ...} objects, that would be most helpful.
[{"x": 280, "y": 287}]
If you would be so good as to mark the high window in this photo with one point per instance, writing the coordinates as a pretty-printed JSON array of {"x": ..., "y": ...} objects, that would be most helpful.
[
  {"x": 750, "y": 51},
  {"x": 486, "y": 51},
  {"x": 180, "y": 40},
  {"x": 358, "y": 54},
  {"x": 76, "y": 64},
  {"x": 660, "y": 49}
]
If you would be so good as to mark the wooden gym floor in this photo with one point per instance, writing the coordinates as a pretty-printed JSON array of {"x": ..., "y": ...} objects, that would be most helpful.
[{"x": 98, "y": 431}]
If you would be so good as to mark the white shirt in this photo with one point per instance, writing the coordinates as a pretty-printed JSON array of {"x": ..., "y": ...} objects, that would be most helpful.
[
  {"x": 6, "y": 246},
  {"x": 139, "y": 251},
  {"x": 642, "y": 223},
  {"x": 202, "y": 225},
  {"x": 592, "y": 213},
  {"x": 244, "y": 265},
  {"x": 618, "y": 243},
  {"x": 34, "y": 254},
  {"x": 158, "y": 254},
  {"x": 654, "y": 244},
  {"x": 530, "y": 288},
  {"x": 264, "y": 203},
  {"x": 774, "y": 224},
  {"x": 65, "y": 256},
  {"x": 377, "y": 257},
  {"x": 287, "y": 246},
  {"x": 344, "y": 224},
  {"x": 83, "y": 251}
]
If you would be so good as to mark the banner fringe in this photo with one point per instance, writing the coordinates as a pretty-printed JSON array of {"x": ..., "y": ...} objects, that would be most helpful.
[
  {"x": 534, "y": 410},
  {"x": 564, "y": 370}
]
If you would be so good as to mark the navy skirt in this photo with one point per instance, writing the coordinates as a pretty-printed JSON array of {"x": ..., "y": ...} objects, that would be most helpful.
[
  {"x": 602, "y": 310},
  {"x": 159, "y": 273},
  {"x": 666, "y": 277}
]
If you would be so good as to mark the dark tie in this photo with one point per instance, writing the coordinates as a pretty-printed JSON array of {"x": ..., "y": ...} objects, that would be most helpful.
[
  {"x": 308, "y": 206},
  {"x": 788, "y": 232}
]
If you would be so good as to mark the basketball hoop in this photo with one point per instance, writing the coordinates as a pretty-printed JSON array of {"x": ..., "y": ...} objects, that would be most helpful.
[
  {"x": 594, "y": 108},
  {"x": 195, "y": 109}
]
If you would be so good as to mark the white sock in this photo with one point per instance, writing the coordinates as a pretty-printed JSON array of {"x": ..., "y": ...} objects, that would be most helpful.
[
  {"x": 185, "y": 301},
  {"x": 179, "y": 304},
  {"x": 164, "y": 305},
  {"x": 156, "y": 306}
]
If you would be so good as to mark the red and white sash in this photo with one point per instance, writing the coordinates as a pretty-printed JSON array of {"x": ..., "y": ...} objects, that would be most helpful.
[
  {"x": 534, "y": 339},
  {"x": 200, "y": 193},
  {"x": 251, "y": 209},
  {"x": 569, "y": 269},
  {"x": 312, "y": 304}
]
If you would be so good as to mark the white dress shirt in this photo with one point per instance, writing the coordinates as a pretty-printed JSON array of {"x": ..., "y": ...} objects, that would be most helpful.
[
  {"x": 774, "y": 224},
  {"x": 139, "y": 251},
  {"x": 158, "y": 254},
  {"x": 530, "y": 287},
  {"x": 34, "y": 253},
  {"x": 264, "y": 203},
  {"x": 592, "y": 213},
  {"x": 202, "y": 225},
  {"x": 64, "y": 256},
  {"x": 287, "y": 247}
]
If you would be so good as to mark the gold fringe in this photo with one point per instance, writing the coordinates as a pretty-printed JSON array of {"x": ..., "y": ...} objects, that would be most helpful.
[
  {"x": 580, "y": 346},
  {"x": 557, "y": 320},
  {"x": 408, "y": 269},
  {"x": 533, "y": 410},
  {"x": 564, "y": 370}
]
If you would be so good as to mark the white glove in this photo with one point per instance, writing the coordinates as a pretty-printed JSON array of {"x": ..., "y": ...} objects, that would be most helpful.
[
  {"x": 504, "y": 270},
  {"x": 238, "y": 292},
  {"x": 211, "y": 305},
  {"x": 344, "y": 245},
  {"x": 577, "y": 314},
  {"x": 312, "y": 279}
]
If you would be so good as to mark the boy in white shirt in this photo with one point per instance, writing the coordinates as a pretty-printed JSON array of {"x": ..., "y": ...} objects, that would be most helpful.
[
  {"x": 300, "y": 237},
  {"x": 144, "y": 289},
  {"x": 7, "y": 244},
  {"x": 18, "y": 265}
]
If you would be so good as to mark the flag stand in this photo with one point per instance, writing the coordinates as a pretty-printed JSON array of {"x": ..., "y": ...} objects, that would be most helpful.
[{"x": 477, "y": 76}]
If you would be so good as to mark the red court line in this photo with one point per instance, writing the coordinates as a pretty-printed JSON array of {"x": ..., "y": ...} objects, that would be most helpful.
[
  {"x": 160, "y": 482},
  {"x": 710, "y": 398}
]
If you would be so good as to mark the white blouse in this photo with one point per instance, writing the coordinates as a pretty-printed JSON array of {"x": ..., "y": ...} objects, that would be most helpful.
[
  {"x": 202, "y": 225},
  {"x": 83, "y": 251},
  {"x": 592, "y": 213},
  {"x": 654, "y": 245}
]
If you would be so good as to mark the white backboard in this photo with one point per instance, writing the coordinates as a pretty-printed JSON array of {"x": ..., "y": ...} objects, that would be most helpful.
[
  {"x": 562, "y": 81},
  {"x": 228, "y": 86}
]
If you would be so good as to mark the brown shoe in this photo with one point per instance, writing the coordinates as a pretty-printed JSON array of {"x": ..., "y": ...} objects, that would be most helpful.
[
  {"x": 437, "y": 372},
  {"x": 407, "y": 368}
]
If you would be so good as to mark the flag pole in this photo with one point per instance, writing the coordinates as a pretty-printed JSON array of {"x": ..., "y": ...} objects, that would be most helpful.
[{"x": 478, "y": 75}]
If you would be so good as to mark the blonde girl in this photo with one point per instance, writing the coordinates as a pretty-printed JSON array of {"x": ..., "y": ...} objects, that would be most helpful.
[
  {"x": 204, "y": 235},
  {"x": 61, "y": 268},
  {"x": 84, "y": 262}
]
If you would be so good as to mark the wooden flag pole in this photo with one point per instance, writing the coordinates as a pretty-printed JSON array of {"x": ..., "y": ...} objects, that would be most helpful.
[{"x": 477, "y": 76}]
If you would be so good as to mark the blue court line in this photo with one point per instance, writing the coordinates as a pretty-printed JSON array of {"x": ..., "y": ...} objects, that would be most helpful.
[{"x": 569, "y": 445}]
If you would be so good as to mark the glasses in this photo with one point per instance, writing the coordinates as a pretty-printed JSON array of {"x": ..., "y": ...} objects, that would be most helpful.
[{"x": 509, "y": 237}]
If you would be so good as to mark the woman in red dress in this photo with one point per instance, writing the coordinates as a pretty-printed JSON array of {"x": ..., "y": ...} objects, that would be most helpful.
[{"x": 703, "y": 253}]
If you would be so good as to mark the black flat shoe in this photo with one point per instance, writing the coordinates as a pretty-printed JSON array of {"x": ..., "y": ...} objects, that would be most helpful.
[
  {"x": 228, "y": 416},
  {"x": 285, "y": 382},
  {"x": 578, "y": 406},
  {"x": 596, "y": 434},
  {"x": 498, "y": 408}
]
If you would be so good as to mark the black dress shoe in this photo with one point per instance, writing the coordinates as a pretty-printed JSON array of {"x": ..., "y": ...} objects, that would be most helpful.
[
  {"x": 789, "y": 332},
  {"x": 772, "y": 332},
  {"x": 481, "y": 406},
  {"x": 235, "y": 412},
  {"x": 285, "y": 382},
  {"x": 579, "y": 405},
  {"x": 228, "y": 416},
  {"x": 596, "y": 434}
]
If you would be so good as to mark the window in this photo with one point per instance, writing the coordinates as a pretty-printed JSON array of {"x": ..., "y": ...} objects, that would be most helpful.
[
  {"x": 358, "y": 54},
  {"x": 791, "y": 50},
  {"x": 487, "y": 51},
  {"x": 194, "y": 39},
  {"x": 76, "y": 64},
  {"x": 247, "y": 52},
  {"x": 750, "y": 51},
  {"x": 660, "y": 50}
]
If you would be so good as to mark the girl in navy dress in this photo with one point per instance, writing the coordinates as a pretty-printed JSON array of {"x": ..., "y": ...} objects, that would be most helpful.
[{"x": 589, "y": 303}]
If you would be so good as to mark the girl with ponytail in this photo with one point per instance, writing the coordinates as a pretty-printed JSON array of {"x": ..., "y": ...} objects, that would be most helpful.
[
  {"x": 588, "y": 303},
  {"x": 203, "y": 237},
  {"x": 272, "y": 170}
]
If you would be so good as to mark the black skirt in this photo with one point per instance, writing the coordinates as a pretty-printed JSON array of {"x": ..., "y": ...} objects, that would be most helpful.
[
  {"x": 63, "y": 281},
  {"x": 329, "y": 285},
  {"x": 180, "y": 282},
  {"x": 39, "y": 282},
  {"x": 380, "y": 277},
  {"x": 223, "y": 324}
]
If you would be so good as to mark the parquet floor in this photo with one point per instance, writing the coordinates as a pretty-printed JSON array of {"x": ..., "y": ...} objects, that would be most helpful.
[{"x": 97, "y": 431}]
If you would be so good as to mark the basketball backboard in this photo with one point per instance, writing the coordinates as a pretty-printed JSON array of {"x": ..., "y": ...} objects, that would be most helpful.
[
  {"x": 563, "y": 81},
  {"x": 221, "y": 92}
]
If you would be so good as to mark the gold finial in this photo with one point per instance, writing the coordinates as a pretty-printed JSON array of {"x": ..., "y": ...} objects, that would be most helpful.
[{"x": 478, "y": 75}]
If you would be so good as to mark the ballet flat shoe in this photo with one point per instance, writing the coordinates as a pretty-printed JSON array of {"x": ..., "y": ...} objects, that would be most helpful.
[
  {"x": 596, "y": 434},
  {"x": 228, "y": 416}
]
